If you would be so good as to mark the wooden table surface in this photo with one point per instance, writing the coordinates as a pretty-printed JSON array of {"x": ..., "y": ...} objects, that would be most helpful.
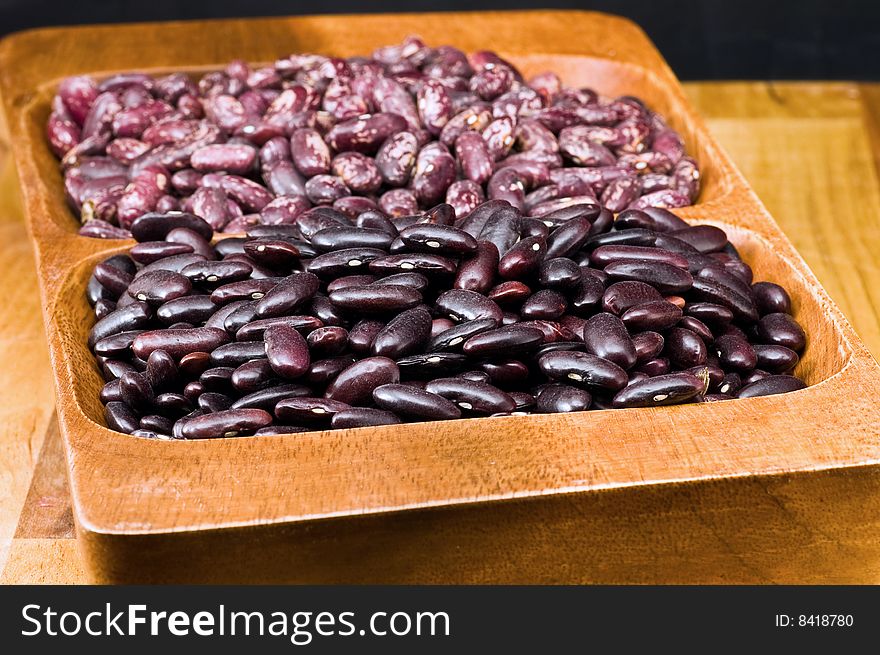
[{"x": 810, "y": 150}]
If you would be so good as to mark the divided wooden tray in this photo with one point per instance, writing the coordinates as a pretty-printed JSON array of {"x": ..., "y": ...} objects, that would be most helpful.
[{"x": 598, "y": 496}]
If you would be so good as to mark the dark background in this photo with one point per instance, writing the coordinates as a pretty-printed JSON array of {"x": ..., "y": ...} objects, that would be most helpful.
[{"x": 701, "y": 39}]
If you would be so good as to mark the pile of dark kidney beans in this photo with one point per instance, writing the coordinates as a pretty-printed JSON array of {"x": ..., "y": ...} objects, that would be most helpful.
[
  {"x": 400, "y": 131},
  {"x": 335, "y": 322}
]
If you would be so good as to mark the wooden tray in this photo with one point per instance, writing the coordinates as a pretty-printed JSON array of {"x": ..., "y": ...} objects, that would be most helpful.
[{"x": 555, "y": 498}]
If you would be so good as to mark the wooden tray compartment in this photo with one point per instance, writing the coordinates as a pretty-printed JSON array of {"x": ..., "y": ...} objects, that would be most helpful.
[{"x": 514, "y": 500}]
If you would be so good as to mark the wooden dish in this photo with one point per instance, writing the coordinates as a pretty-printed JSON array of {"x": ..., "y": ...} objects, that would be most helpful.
[{"x": 604, "y": 496}]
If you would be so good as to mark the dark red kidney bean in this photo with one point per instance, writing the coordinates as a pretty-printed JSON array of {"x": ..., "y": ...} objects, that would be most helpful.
[
  {"x": 559, "y": 273},
  {"x": 362, "y": 417},
  {"x": 174, "y": 263},
  {"x": 754, "y": 376},
  {"x": 558, "y": 398},
  {"x": 429, "y": 237},
  {"x": 199, "y": 244},
  {"x": 405, "y": 334},
  {"x": 705, "y": 238},
  {"x": 375, "y": 220},
  {"x": 155, "y": 227},
  {"x": 471, "y": 396},
  {"x": 162, "y": 371},
  {"x": 104, "y": 307},
  {"x": 365, "y": 133},
  {"x": 354, "y": 385},
  {"x": 193, "y": 364},
  {"x": 211, "y": 401},
  {"x": 189, "y": 309},
  {"x": 586, "y": 297},
  {"x": 721, "y": 276},
  {"x": 697, "y": 327},
  {"x": 116, "y": 345},
  {"x": 545, "y": 304},
  {"x": 509, "y": 293},
  {"x": 266, "y": 399},
  {"x": 781, "y": 330},
  {"x": 474, "y": 222},
  {"x": 716, "y": 316},
  {"x": 414, "y": 403},
  {"x": 476, "y": 376},
  {"x": 506, "y": 372},
  {"x": 454, "y": 337},
  {"x": 136, "y": 392},
  {"x": 684, "y": 348},
  {"x": 218, "y": 378},
  {"x": 120, "y": 417},
  {"x": 156, "y": 424},
  {"x": 476, "y": 273},
  {"x": 648, "y": 345},
  {"x": 210, "y": 273},
  {"x": 328, "y": 313},
  {"x": 112, "y": 278},
  {"x": 508, "y": 339},
  {"x": 771, "y": 298},
  {"x": 251, "y": 375},
  {"x": 130, "y": 317},
  {"x": 463, "y": 305},
  {"x": 327, "y": 341},
  {"x": 252, "y": 289},
  {"x": 245, "y": 312},
  {"x": 151, "y": 251},
  {"x": 664, "y": 277},
  {"x": 730, "y": 384},
  {"x": 583, "y": 369},
  {"x": 347, "y": 261},
  {"x": 635, "y": 218},
  {"x": 344, "y": 237},
  {"x": 501, "y": 228},
  {"x": 734, "y": 352},
  {"x": 226, "y": 423},
  {"x": 554, "y": 332},
  {"x": 218, "y": 318},
  {"x": 414, "y": 280},
  {"x": 567, "y": 239},
  {"x": 110, "y": 392},
  {"x": 273, "y": 253},
  {"x": 287, "y": 351},
  {"x": 288, "y": 295},
  {"x": 771, "y": 385},
  {"x": 172, "y": 404},
  {"x": 670, "y": 389},
  {"x": 308, "y": 410},
  {"x": 95, "y": 291},
  {"x": 712, "y": 374},
  {"x": 656, "y": 315},
  {"x": 374, "y": 299},
  {"x": 605, "y": 255},
  {"x": 236, "y": 354},
  {"x": 232, "y": 245},
  {"x": 440, "y": 325},
  {"x": 634, "y": 237},
  {"x": 606, "y": 336},
  {"x": 712, "y": 292},
  {"x": 532, "y": 227},
  {"x": 523, "y": 258},
  {"x": 253, "y": 330},
  {"x": 159, "y": 287},
  {"x": 775, "y": 359}
]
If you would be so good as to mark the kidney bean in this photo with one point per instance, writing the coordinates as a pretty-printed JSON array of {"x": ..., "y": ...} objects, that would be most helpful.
[
  {"x": 179, "y": 342},
  {"x": 155, "y": 227},
  {"x": 712, "y": 292},
  {"x": 771, "y": 385},
  {"x": 445, "y": 239},
  {"x": 697, "y": 327},
  {"x": 781, "y": 330},
  {"x": 120, "y": 417},
  {"x": 192, "y": 365},
  {"x": 464, "y": 305},
  {"x": 354, "y": 385},
  {"x": 606, "y": 336},
  {"x": 771, "y": 298},
  {"x": 414, "y": 280},
  {"x": 655, "y": 315},
  {"x": 509, "y": 339},
  {"x": 545, "y": 304},
  {"x": 405, "y": 334},
  {"x": 582, "y": 369},
  {"x": 735, "y": 352},
  {"x": 376, "y": 299},
  {"x": 396, "y": 158},
  {"x": 557, "y": 398},
  {"x": 190, "y": 309},
  {"x": 473, "y": 157},
  {"x": 670, "y": 389},
  {"x": 362, "y": 417},
  {"x": 472, "y": 396},
  {"x": 226, "y": 423},
  {"x": 211, "y": 273},
  {"x": 434, "y": 173},
  {"x": 424, "y": 263},
  {"x": 684, "y": 348},
  {"x": 775, "y": 359},
  {"x": 308, "y": 410},
  {"x": 287, "y": 351},
  {"x": 365, "y": 133},
  {"x": 414, "y": 403},
  {"x": 610, "y": 254},
  {"x": 327, "y": 341},
  {"x": 664, "y": 277}
]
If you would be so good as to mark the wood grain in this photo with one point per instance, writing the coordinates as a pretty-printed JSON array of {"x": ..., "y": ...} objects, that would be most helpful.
[{"x": 721, "y": 530}]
